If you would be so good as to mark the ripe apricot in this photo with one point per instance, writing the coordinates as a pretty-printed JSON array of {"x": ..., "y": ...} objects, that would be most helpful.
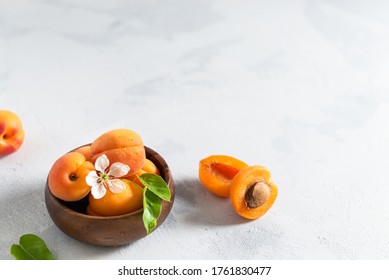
[
  {"x": 148, "y": 167},
  {"x": 113, "y": 204},
  {"x": 67, "y": 177},
  {"x": 252, "y": 192},
  {"x": 120, "y": 145},
  {"x": 217, "y": 171},
  {"x": 85, "y": 150},
  {"x": 11, "y": 132}
]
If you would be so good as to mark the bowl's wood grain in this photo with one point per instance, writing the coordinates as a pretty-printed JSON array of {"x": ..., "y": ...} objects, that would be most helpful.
[{"x": 106, "y": 231}]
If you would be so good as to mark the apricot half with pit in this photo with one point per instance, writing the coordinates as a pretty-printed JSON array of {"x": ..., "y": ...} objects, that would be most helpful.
[{"x": 252, "y": 192}]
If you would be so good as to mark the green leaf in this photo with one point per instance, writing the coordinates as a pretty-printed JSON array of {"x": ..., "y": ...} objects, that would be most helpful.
[
  {"x": 152, "y": 206},
  {"x": 156, "y": 184},
  {"x": 19, "y": 253},
  {"x": 31, "y": 247}
]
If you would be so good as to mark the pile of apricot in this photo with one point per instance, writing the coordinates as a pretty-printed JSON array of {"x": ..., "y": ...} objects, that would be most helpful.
[
  {"x": 67, "y": 177},
  {"x": 250, "y": 188}
]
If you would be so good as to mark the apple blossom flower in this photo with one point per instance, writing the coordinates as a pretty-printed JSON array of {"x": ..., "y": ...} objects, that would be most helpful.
[{"x": 102, "y": 178}]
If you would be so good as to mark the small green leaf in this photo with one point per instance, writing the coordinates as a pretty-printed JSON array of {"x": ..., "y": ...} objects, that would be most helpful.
[
  {"x": 31, "y": 247},
  {"x": 152, "y": 206},
  {"x": 19, "y": 253},
  {"x": 156, "y": 184}
]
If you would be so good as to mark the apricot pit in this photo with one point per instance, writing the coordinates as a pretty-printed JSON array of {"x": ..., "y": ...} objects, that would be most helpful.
[{"x": 257, "y": 194}]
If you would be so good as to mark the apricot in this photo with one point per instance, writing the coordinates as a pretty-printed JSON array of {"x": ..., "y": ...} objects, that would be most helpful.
[
  {"x": 252, "y": 192},
  {"x": 148, "y": 167},
  {"x": 67, "y": 177},
  {"x": 217, "y": 171},
  {"x": 120, "y": 145},
  {"x": 11, "y": 132},
  {"x": 113, "y": 204},
  {"x": 85, "y": 150}
]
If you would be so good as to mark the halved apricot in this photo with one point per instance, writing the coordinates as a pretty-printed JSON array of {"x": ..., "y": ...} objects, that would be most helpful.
[
  {"x": 252, "y": 192},
  {"x": 217, "y": 171}
]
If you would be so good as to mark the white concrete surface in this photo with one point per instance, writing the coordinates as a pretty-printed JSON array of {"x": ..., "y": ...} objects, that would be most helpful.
[{"x": 298, "y": 86}]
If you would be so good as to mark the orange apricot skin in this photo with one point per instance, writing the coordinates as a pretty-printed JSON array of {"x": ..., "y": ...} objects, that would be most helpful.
[
  {"x": 85, "y": 150},
  {"x": 67, "y": 177},
  {"x": 217, "y": 171},
  {"x": 148, "y": 167},
  {"x": 11, "y": 132},
  {"x": 113, "y": 204},
  {"x": 120, "y": 145},
  {"x": 239, "y": 186}
]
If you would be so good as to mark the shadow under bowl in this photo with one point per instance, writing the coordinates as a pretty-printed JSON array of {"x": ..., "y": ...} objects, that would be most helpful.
[{"x": 71, "y": 217}]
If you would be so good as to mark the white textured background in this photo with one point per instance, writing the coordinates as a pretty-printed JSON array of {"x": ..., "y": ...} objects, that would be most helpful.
[{"x": 298, "y": 86}]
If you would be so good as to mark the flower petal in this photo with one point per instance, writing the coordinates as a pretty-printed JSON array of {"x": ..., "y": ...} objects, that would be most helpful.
[
  {"x": 98, "y": 191},
  {"x": 118, "y": 169},
  {"x": 116, "y": 185},
  {"x": 92, "y": 178},
  {"x": 102, "y": 163}
]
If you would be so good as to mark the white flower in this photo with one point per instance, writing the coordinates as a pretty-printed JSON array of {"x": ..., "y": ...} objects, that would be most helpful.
[{"x": 100, "y": 179}]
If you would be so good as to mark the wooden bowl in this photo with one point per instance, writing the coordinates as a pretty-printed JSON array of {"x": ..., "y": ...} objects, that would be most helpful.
[{"x": 71, "y": 217}]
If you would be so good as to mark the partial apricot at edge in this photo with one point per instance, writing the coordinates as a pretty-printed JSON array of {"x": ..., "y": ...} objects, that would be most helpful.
[
  {"x": 217, "y": 171},
  {"x": 148, "y": 167},
  {"x": 85, "y": 150},
  {"x": 11, "y": 132}
]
